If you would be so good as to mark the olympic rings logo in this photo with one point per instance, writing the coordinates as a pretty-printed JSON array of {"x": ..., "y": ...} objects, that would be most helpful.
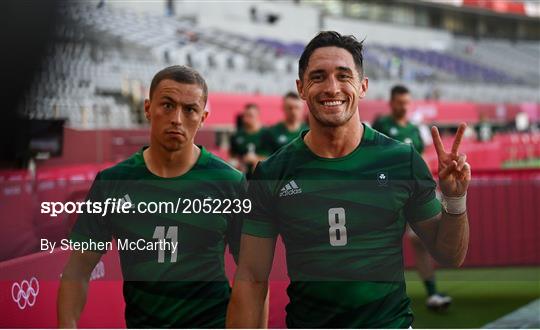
[{"x": 25, "y": 294}]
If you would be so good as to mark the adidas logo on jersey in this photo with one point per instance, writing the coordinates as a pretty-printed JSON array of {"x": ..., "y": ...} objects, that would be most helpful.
[
  {"x": 289, "y": 189},
  {"x": 126, "y": 199}
]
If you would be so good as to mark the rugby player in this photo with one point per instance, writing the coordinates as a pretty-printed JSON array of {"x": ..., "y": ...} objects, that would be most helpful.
[
  {"x": 339, "y": 195},
  {"x": 397, "y": 126},
  {"x": 246, "y": 145},
  {"x": 293, "y": 124},
  {"x": 186, "y": 288}
]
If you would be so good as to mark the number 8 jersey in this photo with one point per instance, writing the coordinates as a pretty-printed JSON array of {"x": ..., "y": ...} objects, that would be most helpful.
[{"x": 342, "y": 222}]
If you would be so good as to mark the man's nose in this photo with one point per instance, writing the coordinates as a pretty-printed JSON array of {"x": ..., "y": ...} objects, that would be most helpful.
[
  {"x": 331, "y": 86},
  {"x": 176, "y": 116}
]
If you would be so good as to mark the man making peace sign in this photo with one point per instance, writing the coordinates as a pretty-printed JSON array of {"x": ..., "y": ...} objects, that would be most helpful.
[
  {"x": 449, "y": 231},
  {"x": 340, "y": 195}
]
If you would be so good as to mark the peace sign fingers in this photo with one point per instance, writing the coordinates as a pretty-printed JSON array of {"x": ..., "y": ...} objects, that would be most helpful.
[
  {"x": 458, "y": 138},
  {"x": 437, "y": 142},
  {"x": 454, "y": 171},
  {"x": 439, "y": 147}
]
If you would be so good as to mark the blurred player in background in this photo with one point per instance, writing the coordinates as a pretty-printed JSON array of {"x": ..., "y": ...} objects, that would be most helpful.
[
  {"x": 293, "y": 124},
  {"x": 397, "y": 126},
  {"x": 336, "y": 195},
  {"x": 484, "y": 129},
  {"x": 186, "y": 288},
  {"x": 246, "y": 145}
]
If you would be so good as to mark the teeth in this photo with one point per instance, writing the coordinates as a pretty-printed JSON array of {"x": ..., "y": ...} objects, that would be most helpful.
[{"x": 333, "y": 103}]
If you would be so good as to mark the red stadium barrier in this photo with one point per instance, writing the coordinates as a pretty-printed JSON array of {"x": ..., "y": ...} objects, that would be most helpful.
[
  {"x": 20, "y": 200},
  {"x": 481, "y": 155},
  {"x": 113, "y": 145},
  {"x": 224, "y": 108},
  {"x": 491, "y": 155},
  {"x": 17, "y": 215},
  {"x": 29, "y": 286},
  {"x": 504, "y": 219}
]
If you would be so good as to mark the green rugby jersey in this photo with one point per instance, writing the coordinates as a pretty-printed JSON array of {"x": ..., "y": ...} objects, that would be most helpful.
[
  {"x": 278, "y": 135},
  {"x": 186, "y": 290},
  {"x": 342, "y": 222},
  {"x": 241, "y": 142},
  {"x": 408, "y": 134}
]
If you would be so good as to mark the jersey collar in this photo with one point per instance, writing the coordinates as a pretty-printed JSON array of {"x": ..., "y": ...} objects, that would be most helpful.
[
  {"x": 367, "y": 137},
  {"x": 203, "y": 159}
]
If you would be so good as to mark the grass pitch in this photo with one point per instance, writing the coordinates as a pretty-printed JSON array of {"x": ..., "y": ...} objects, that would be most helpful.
[
  {"x": 479, "y": 295},
  {"x": 528, "y": 163}
]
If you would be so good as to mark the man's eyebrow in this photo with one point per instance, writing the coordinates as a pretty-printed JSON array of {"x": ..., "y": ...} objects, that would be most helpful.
[
  {"x": 339, "y": 68},
  {"x": 167, "y": 98},
  {"x": 195, "y": 105},
  {"x": 344, "y": 68}
]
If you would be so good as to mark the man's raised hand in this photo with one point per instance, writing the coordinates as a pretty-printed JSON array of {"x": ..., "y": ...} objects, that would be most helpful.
[{"x": 454, "y": 171}]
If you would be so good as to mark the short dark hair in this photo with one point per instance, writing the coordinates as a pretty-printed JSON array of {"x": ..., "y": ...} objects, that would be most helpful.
[
  {"x": 291, "y": 95},
  {"x": 251, "y": 105},
  {"x": 329, "y": 39},
  {"x": 398, "y": 90},
  {"x": 181, "y": 74}
]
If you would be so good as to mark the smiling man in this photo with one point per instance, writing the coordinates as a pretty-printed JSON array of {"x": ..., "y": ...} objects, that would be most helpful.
[
  {"x": 184, "y": 285},
  {"x": 340, "y": 195}
]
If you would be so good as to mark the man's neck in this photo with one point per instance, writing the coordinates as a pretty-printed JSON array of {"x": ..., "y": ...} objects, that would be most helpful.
[
  {"x": 335, "y": 142},
  {"x": 292, "y": 126},
  {"x": 166, "y": 164},
  {"x": 253, "y": 129},
  {"x": 400, "y": 121}
]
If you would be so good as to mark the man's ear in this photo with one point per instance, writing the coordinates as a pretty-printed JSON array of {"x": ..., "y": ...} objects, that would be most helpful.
[
  {"x": 363, "y": 87},
  {"x": 300, "y": 88},
  {"x": 147, "y": 109},
  {"x": 204, "y": 116}
]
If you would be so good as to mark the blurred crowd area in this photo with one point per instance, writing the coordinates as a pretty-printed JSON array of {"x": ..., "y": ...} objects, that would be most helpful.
[
  {"x": 98, "y": 66},
  {"x": 97, "y": 72}
]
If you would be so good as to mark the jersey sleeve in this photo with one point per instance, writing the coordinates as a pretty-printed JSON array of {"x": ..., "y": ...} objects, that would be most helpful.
[
  {"x": 423, "y": 203},
  {"x": 260, "y": 221},
  {"x": 234, "y": 222},
  {"x": 93, "y": 226}
]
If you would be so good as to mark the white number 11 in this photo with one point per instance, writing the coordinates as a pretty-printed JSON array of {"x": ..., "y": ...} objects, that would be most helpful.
[{"x": 172, "y": 234}]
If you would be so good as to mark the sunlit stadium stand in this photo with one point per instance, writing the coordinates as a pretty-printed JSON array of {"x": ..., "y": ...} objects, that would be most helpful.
[{"x": 99, "y": 71}]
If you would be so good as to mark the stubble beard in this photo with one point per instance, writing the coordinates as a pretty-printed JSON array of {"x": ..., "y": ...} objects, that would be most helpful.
[{"x": 335, "y": 121}]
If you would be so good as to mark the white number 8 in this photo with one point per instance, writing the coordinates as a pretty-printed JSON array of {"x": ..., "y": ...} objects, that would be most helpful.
[{"x": 337, "y": 230}]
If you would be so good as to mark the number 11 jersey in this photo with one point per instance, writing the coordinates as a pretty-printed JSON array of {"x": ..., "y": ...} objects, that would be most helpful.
[{"x": 166, "y": 288}]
